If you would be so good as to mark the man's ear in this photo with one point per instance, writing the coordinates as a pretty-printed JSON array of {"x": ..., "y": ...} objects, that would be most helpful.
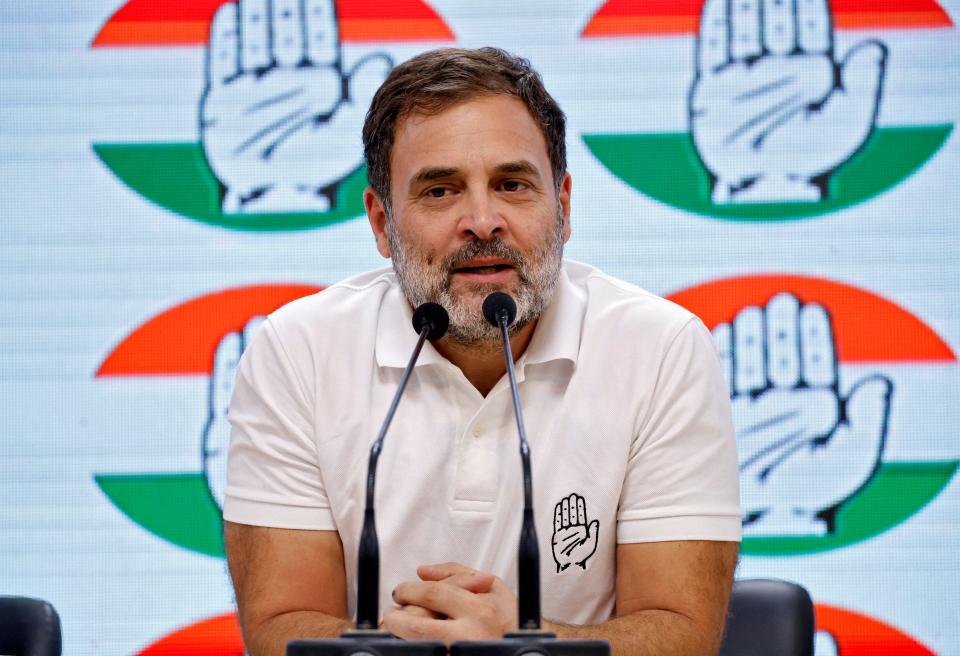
[
  {"x": 377, "y": 216},
  {"x": 565, "y": 188}
]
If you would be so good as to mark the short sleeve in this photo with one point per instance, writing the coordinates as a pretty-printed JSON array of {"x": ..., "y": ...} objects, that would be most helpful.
[
  {"x": 273, "y": 478},
  {"x": 682, "y": 480}
]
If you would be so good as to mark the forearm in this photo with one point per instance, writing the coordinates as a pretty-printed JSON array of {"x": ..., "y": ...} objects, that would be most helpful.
[
  {"x": 644, "y": 633},
  {"x": 271, "y": 636}
]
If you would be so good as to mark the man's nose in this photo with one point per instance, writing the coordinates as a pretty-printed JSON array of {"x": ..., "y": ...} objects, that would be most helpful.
[{"x": 481, "y": 218}]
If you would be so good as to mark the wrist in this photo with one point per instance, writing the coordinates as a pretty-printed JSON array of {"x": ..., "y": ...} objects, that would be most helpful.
[
  {"x": 276, "y": 199},
  {"x": 767, "y": 188}
]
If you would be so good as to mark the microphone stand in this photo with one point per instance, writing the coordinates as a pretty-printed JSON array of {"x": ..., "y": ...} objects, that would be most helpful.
[
  {"x": 431, "y": 321},
  {"x": 501, "y": 310}
]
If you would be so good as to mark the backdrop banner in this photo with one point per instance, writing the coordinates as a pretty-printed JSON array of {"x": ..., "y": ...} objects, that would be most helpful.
[{"x": 172, "y": 170}]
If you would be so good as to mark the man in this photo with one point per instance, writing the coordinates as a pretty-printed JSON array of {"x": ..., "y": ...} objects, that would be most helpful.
[{"x": 635, "y": 473}]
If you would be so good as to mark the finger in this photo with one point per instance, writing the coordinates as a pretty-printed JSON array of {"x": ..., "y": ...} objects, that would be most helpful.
[
  {"x": 323, "y": 34},
  {"x": 745, "y": 29},
  {"x": 814, "y": 28},
  {"x": 222, "y": 377},
  {"x": 712, "y": 45},
  {"x": 565, "y": 512},
  {"x": 748, "y": 358},
  {"x": 475, "y": 582},
  {"x": 416, "y": 611},
  {"x": 779, "y": 26},
  {"x": 867, "y": 410},
  {"x": 254, "y": 35},
  {"x": 557, "y": 518},
  {"x": 818, "y": 364},
  {"x": 593, "y": 531},
  {"x": 439, "y": 571},
  {"x": 581, "y": 511},
  {"x": 783, "y": 343},
  {"x": 573, "y": 510},
  {"x": 223, "y": 60},
  {"x": 723, "y": 340},
  {"x": 366, "y": 77},
  {"x": 438, "y": 597},
  {"x": 286, "y": 24},
  {"x": 861, "y": 75},
  {"x": 413, "y": 626}
]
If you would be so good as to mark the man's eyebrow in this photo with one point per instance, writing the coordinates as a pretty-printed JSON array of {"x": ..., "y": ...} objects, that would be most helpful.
[
  {"x": 431, "y": 174},
  {"x": 520, "y": 166}
]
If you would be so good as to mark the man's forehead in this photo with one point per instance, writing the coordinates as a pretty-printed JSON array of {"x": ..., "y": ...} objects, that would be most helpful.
[{"x": 484, "y": 123}]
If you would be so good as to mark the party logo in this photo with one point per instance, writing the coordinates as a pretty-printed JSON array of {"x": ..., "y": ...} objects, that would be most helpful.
[
  {"x": 813, "y": 367},
  {"x": 280, "y": 115},
  {"x": 780, "y": 122},
  {"x": 201, "y": 337}
]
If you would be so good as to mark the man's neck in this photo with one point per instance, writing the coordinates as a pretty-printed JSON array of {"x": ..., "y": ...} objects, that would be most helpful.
[{"x": 483, "y": 364}]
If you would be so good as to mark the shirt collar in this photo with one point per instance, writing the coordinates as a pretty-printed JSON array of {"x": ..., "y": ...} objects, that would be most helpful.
[
  {"x": 396, "y": 338},
  {"x": 556, "y": 337}
]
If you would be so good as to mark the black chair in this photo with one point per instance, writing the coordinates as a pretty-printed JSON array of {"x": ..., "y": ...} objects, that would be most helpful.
[
  {"x": 768, "y": 618},
  {"x": 29, "y": 627}
]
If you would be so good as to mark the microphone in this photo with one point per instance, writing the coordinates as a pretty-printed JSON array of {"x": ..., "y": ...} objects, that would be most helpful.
[
  {"x": 500, "y": 310},
  {"x": 430, "y": 320}
]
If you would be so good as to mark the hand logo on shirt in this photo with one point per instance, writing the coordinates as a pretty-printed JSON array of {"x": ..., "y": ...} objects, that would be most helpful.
[
  {"x": 804, "y": 447},
  {"x": 216, "y": 432},
  {"x": 574, "y": 539}
]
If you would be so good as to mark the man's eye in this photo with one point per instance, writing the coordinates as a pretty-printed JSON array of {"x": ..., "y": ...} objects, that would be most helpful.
[
  {"x": 513, "y": 185},
  {"x": 437, "y": 192}
]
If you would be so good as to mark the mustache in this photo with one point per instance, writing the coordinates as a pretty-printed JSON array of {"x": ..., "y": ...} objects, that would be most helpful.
[{"x": 487, "y": 248}]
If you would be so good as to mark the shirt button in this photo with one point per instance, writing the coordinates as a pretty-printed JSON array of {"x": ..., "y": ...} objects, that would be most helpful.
[{"x": 477, "y": 431}]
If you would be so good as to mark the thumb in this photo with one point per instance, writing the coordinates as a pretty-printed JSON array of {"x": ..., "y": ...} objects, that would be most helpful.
[
  {"x": 861, "y": 79},
  {"x": 457, "y": 575},
  {"x": 367, "y": 76},
  {"x": 593, "y": 531},
  {"x": 861, "y": 71},
  {"x": 867, "y": 406}
]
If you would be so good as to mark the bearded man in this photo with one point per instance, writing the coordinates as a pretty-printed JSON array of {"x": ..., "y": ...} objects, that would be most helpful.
[{"x": 634, "y": 465}]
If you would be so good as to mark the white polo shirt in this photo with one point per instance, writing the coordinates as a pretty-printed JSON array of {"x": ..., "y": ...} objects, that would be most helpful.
[{"x": 626, "y": 413}]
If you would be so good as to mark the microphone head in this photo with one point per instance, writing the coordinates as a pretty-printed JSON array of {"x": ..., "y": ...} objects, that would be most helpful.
[
  {"x": 497, "y": 306},
  {"x": 434, "y": 316}
]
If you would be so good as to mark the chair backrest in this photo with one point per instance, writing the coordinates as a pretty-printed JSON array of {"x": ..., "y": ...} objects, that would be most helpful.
[
  {"x": 769, "y": 617},
  {"x": 29, "y": 627}
]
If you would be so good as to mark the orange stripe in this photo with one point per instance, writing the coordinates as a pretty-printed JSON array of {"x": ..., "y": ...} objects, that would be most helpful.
[
  {"x": 859, "y": 635},
  {"x": 153, "y": 33},
  {"x": 196, "y": 33},
  {"x": 182, "y": 341},
  {"x": 407, "y": 29},
  {"x": 889, "y": 19},
  {"x": 216, "y": 636},
  {"x": 649, "y": 25},
  {"x": 867, "y": 327}
]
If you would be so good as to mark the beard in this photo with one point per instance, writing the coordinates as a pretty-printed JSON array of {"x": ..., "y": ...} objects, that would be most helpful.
[{"x": 423, "y": 280}]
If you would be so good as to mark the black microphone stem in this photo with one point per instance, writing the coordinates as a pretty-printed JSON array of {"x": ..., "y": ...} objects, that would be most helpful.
[
  {"x": 368, "y": 553},
  {"x": 528, "y": 567}
]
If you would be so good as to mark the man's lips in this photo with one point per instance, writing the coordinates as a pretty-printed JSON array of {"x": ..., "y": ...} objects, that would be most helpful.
[{"x": 484, "y": 270}]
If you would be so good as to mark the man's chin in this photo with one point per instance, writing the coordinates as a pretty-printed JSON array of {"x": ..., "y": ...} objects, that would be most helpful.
[{"x": 467, "y": 291}]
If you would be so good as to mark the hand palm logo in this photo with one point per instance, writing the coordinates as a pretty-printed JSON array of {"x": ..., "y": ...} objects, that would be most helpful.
[
  {"x": 804, "y": 447},
  {"x": 279, "y": 118},
  {"x": 574, "y": 538},
  {"x": 772, "y": 113}
]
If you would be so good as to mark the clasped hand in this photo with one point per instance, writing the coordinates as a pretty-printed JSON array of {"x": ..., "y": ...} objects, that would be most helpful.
[{"x": 452, "y": 602}]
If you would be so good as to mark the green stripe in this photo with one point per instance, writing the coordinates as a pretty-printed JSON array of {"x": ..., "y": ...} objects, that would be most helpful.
[
  {"x": 665, "y": 166},
  {"x": 176, "y": 177}
]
